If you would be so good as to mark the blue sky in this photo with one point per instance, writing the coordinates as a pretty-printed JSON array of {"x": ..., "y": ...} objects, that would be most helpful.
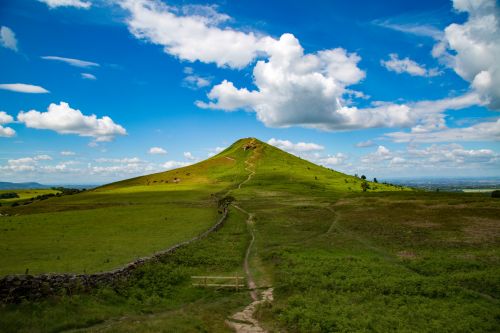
[{"x": 96, "y": 91}]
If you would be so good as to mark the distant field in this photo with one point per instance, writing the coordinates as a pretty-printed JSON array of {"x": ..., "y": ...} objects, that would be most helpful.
[
  {"x": 25, "y": 194},
  {"x": 478, "y": 190}
]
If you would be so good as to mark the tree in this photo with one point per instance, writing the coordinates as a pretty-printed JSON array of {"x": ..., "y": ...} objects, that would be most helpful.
[
  {"x": 375, "y": 180},
  {"x": 363, "y": 177},
  {"x": 365, "y": 186}
]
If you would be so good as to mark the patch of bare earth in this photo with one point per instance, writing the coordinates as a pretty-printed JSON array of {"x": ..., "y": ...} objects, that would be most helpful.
[{"x": 408, "y": 255}]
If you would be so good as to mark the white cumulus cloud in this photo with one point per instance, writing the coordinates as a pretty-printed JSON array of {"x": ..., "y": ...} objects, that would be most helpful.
[
  {"x": 27, "y": 164},
  {"x": 216, "y": 150},
  {"x": 333, "y": 161},
  {"x": 195, "y": 35},
  {"x": 63, "y": 119},
  {"x": 157, "y": 151},
  {"x": 294, "y": 88},
  {"x": 196, "y": 81},
  {"x": 7, "y": 132},
  {"x": 169, "y": 165},
  {"x": 8, "y": 38},
  {"x": 298, "y": 147},
  {"x": 5, "y": 118},
  {"x": 407, "y": 65},
  {"x": 189, "y": 156},
  {"x": 472, "y": 49}
]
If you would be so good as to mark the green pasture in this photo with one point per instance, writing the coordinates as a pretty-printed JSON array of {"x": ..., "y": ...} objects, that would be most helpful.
[{"x": 99, "y": 239}]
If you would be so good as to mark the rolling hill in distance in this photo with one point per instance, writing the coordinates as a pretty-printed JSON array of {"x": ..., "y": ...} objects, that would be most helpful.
[
  {"x": 318, "y": 251},
  {"x": 17, "y": 186}
]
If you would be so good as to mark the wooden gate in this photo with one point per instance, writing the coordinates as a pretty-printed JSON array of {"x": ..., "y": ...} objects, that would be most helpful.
[{"x": 219, "y": 281}]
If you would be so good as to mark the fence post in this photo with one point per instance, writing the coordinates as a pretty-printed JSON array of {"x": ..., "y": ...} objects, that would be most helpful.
[
  {"x": 237, "y": 283},
  {"x": 205, "y": 281}
]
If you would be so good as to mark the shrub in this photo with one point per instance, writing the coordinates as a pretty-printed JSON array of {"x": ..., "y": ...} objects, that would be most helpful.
[
  {"x": 495, "y": 194},
  {"x": 365, "y": 186},
  {"x": 9, "y": 195}
]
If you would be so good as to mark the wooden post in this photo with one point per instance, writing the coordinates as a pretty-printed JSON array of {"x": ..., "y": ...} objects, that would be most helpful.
[
  {"x": 205, "y": 281},
  {"x": 237, "y": 283}
]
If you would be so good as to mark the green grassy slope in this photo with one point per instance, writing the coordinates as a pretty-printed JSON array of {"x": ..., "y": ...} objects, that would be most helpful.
[
  {"x": 115, "y": 224},
  {"x": 218, "y": 172},
  {"x": 277, "y": 170}
]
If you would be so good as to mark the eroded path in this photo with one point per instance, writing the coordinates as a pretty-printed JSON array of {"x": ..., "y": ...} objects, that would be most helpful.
[{"x": 244, "y": 321}]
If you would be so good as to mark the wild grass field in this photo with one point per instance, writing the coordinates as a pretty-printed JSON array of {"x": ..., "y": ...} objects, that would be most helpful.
[
  {"x": 339, "y": 259},
  {"x": 404, "y": 262}
]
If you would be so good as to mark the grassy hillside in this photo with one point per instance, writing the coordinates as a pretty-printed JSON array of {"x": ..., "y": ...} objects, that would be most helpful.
[
  {"x": 107, "y": 227},
  {"x": 339, "y": 259}
]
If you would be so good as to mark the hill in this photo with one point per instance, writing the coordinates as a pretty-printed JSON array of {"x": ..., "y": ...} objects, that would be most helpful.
[
  {"x": 18, "y": 186},
  {"x": 334, "y": 257},
  {"x": 274, "y": 167}
]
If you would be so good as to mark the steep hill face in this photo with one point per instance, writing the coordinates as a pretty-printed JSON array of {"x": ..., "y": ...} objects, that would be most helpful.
[
  {"x": 273, "y": 167},
  {"x": 222, "y": 169}
]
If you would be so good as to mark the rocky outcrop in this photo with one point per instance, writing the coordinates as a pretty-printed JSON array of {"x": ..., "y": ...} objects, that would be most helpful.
[{"x": 15, "y": 288}]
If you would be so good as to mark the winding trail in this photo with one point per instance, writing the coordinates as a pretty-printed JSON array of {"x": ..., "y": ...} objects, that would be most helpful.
[
  {"x": 244, "y": 321},
  {"x": 246, "y": 266}
]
